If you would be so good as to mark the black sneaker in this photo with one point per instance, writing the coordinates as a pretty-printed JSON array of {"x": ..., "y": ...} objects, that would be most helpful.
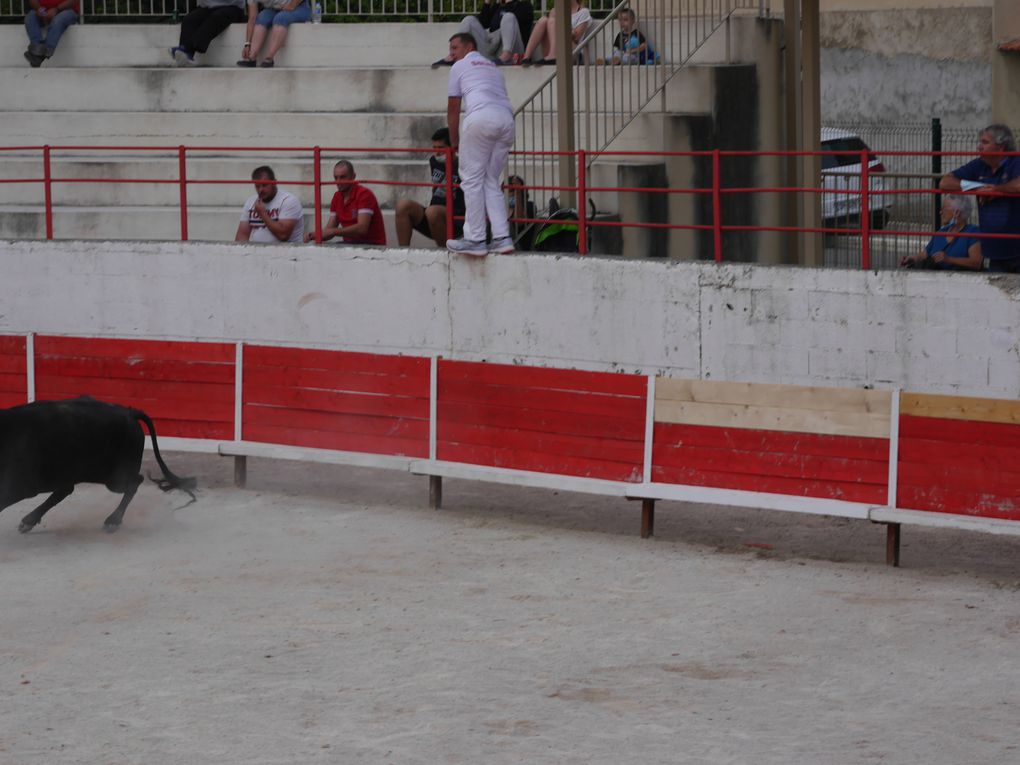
[{"x": 33, "y": 60}]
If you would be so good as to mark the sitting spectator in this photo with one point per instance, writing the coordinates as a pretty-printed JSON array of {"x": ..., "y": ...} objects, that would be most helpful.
[
  {"x": 501, "y": 30},
  {"x": 952, "y": 248},
  {"x": 544, "y": 33},
  {"x": 354, "y": 212},
  {"x": 521, "y": 210},
  {"x": 431, "y": 221},
  {"x": 44, "y": 24},
  {"x": 995, "y": 178},
  {"x": 630, "y": 46},
  {"x": 270, "y": 215},
  {"x": 203, "y": 23},
  {"x": 278, "y": 14}
]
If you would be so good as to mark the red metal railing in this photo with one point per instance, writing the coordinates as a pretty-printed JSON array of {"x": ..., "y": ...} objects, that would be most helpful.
[{"x": 862, "y": 188}]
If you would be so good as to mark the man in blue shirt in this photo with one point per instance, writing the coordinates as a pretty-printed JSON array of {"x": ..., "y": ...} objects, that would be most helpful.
[{"x": 995, "y": 178}]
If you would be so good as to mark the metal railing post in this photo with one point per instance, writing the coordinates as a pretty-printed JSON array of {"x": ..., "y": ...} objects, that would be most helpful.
[
  {"x": 582, "y": 206},
  {"x": 717, "y": 206},
  {"x": 865, "y": 212},
  {"x": 182, "y": 172},
  {"x": 317, "y": 175},
  {"x": 48, "y": 191},
  {"x": 936, "y": 167},
  {"x": 449, "y": 192}
]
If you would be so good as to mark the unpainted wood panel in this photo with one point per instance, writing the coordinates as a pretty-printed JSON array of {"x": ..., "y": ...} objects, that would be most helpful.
[
  {"x": 1006, "y": 411},
  {"x": 780, "y": 396},
  {"x": 872, "y": 425}
]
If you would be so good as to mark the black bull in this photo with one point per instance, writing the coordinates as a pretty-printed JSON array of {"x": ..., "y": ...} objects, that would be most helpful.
[{"x": 50, "y": 446}]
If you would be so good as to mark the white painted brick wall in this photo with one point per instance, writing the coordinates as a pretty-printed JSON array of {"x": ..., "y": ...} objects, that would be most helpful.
[{"x": 940, "y": 333}]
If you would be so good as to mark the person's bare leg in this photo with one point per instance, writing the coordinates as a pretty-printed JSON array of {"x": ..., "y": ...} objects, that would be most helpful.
[
  {"x": 277, "y": 36},
  {"x": 257, "y": 38},
  {"x": 406, "y": 216},
  {"x": 436, "y": 216},
  {"x": 537, "y": 33}
]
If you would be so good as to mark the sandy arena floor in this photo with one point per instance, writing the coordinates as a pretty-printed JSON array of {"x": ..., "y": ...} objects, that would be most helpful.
[{"x": 327, "y": 615}]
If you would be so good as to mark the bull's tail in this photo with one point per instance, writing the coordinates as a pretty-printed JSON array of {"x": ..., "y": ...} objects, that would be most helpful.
[{"x": 169, "y": 480}]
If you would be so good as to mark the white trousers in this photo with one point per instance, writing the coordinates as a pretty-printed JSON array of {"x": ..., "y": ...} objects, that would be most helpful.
[{"x": 486, "y": 136}]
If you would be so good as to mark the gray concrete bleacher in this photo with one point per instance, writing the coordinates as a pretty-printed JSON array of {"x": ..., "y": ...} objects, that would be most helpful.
[{"x": 335, "y": 86}]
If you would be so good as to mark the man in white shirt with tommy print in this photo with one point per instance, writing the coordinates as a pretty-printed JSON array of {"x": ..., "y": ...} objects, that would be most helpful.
[
  {"x": 270, "y": 215},
  {"x": 483, "y": 143}
]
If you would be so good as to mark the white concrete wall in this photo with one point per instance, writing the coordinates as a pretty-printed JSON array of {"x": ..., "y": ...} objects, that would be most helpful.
[
  {"x": 944, "y": 333},
  {"x": 907, "y": 62}
]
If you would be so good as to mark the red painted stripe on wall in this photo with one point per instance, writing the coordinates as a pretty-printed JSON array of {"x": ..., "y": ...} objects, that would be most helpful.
[
  {"x": 952, "y": 431},
  {"x": 588, "y": 424},
  {"x": 850, "y": 492},
  {"x": 853, "y": 468},
  {"x": 942, "y": 499},
  {"x": 186, "y": 387},
  {"x": 962, "y": 467},
  {"x": 539, "y": 462},
  {"x": 346, "y": 442},
  {"x": 337, "y": 400},
  {"x": 13, "y": 377},
  {"x": 631, "y": 452},
  {"x": 581, "y": 402},
  {"x": 822, "y": 445},
  {"x": 536, "y": 378}
]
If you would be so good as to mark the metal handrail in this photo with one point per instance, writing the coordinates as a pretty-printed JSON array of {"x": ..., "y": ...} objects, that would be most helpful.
[{"x": 608, "y": 97}]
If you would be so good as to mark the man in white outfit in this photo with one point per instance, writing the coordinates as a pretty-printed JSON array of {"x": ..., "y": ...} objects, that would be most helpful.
[{"x": 483, "y": 143}]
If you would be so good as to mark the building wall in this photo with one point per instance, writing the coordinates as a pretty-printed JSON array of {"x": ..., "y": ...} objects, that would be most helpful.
[
  {"x": 907, "y": 60},
  {"x": 928, "y": 332}
]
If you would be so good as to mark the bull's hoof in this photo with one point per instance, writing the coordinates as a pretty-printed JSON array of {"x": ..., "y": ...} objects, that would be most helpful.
[
  {"x": 109, "y": 527},
  {"x": 24, "y": 528}
]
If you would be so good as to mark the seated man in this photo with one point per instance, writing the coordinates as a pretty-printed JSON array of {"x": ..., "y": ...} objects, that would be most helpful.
[
  {"x": 270, "y": 215},
  {"x": 44, "y": 24},
  {"x": 203, "y": 23},
  {"x": 354, "y": 212},
  {"x": 431, "y": 221},
  {"x": 501, "y": 29}
]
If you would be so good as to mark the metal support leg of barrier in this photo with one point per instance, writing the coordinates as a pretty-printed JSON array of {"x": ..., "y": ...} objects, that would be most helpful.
[
  {"x": 647, "y": 518},
  {"x": 892, "y": 544},
  {"x": 436, "y": 492},
  {"x": 240, "y": 471}
]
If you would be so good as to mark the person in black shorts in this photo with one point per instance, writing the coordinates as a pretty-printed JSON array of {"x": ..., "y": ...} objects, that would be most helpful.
[{"x": 431, "y": 221}]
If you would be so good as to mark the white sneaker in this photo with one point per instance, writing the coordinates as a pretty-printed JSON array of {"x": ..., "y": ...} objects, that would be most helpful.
[
  {"x": 503, "y": 246},
  {"x": 183, "y": 59},
  {"x": 467, "y": 247}
]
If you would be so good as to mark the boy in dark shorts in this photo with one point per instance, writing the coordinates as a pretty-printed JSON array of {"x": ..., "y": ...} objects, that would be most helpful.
[{"x": 431, "y": 221}]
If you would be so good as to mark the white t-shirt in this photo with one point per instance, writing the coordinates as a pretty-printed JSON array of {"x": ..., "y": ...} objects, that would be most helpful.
[
  {"x": 479, "y": 82},
  {"x": 578, "y": 18},
  {"x": 284, "y": 206}
]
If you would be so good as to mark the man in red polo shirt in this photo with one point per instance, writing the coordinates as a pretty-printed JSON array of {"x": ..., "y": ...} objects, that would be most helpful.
[
  {"x": 45, "y": 22},
  {"x": 354, "y": 212}
]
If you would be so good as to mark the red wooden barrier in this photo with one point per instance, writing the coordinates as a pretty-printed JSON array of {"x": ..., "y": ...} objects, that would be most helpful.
[
  {"x": 588, "y": 424},
  {"x": 800, "y": 441},
  {"x": 338, "y": 400},
  {"x": 187, "y": 388},
  {"x": 13, "y": 377},
  {"x": 959, "y": 455}
]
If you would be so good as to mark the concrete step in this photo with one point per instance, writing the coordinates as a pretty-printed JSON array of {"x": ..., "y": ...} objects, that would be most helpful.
[
  {"x": 334, "y": 45},
  {"x": 330, "y": 91},
  {"x": 308, "y": 45},
  {"x": 228, "y": 129},
  {"x": 234, "y": 90}
]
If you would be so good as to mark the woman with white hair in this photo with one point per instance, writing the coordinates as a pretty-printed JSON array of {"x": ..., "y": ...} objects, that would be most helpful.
[{"x": 953, "y": 247}]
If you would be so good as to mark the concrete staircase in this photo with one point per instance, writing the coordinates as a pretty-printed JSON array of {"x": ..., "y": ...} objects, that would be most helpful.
[{"x": 339, "y": 87}]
